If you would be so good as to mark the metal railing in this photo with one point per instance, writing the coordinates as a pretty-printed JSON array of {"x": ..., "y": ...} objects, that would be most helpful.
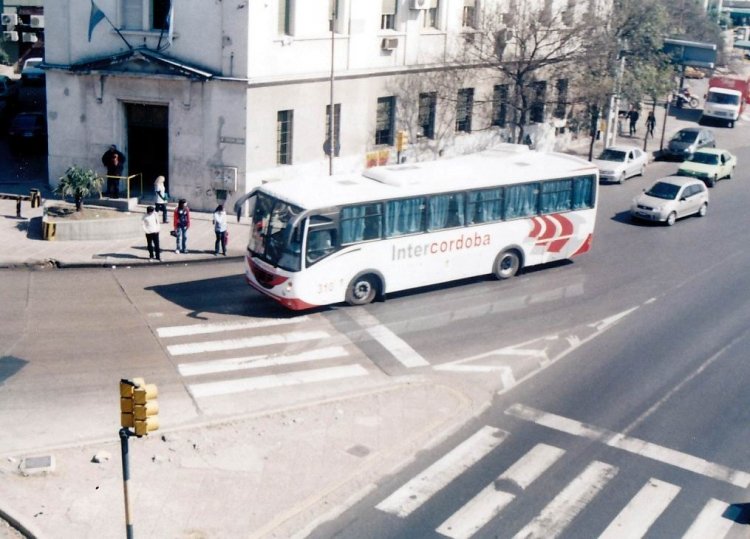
[{"x": 127, "y": 180}]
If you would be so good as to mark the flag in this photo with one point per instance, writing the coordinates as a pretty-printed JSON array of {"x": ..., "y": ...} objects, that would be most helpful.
[
  {"x": 97, "y": 16},
  {"x": 170, "y": 23}
]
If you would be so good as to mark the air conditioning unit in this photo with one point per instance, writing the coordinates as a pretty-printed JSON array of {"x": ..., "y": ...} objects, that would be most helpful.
[
  {"x": 37, "y": 21},
  {"x": 9, "y": 19},
  {"x": 10, "y": 36},
  {"x": 389, "y": 43},
  {"x": 419, "y": 4},
  {"x": 27, "y": 37}
]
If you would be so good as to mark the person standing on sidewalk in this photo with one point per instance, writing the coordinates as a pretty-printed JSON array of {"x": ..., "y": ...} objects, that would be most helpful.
[
  {"x": 633, "y": 117},
  {"x": 220, "y": 228},
  {"x": 114, "y": 160},
  {"x": 151, "y": 228},
  {"x": 650, "y": 123},
  {"x": 161, "y": 197},
  {"x": 181, "y": 222}
]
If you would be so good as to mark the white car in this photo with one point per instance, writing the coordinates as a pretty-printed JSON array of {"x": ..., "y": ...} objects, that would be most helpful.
[
  {"x": 671, "y": 198},
  {"x": 618, "y": 163}
]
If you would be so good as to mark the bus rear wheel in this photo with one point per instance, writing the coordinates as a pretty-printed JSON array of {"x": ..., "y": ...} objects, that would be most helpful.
[
  {"x": 506, "y": 264},
  {"x": 362, "y": 290}
]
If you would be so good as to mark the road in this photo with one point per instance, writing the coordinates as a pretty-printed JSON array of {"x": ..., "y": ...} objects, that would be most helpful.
[{"x": 621, "y": 369}]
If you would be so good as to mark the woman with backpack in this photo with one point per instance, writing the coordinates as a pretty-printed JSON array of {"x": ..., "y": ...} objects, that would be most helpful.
[{"x": 181, "y": 224}]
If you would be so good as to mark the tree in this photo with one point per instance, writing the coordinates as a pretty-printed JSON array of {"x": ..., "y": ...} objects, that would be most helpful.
[
  {"x": 79, "y": 183},
  {"x": 528, "y": 44}
]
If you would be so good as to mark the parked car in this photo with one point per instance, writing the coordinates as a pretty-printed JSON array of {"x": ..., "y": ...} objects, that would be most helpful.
[
  {"x": 686, "y": 141},
  {"x": 693, "y": 73},
  {"x": 709, "y": 165},
  {"x": 32, "y": 74},
  {"x": 28, "y": 129},
  {"x": 618, "y": 163},
  {"x": 671, "y": 198}
]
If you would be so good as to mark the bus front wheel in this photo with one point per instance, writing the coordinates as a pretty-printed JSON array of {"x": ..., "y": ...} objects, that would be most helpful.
[
  {"x": 507, "y": 264},
  {"x": 362, "y": 290}
]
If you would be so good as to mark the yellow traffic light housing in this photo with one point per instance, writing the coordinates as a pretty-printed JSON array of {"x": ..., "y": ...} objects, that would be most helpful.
[
  {"x": 146, "y": 409},
  {"x": 139, "y": 408}
]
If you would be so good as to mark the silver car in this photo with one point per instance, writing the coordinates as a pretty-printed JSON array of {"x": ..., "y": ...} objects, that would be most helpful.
[
  {"x": 618, "y": 163},
  {"x": 671, "y": 198}
]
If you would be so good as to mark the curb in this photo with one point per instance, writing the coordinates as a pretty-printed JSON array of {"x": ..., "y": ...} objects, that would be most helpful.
[
  {"x": 27, "y": 530},
  {"x": 51, "y": 264}
]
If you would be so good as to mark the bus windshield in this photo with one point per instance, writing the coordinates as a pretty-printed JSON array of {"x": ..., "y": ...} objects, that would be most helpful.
[{"x": 274, "y": 238}]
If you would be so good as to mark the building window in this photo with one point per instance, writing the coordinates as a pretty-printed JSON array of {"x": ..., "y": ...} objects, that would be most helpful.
[
  {"x": 426, "y": 114},
  {"x": 336, "y": 129},
  {"x": 500, "y": 105},
  {"x": 430, "y": 19},
  {"x": 536, "y": 111},
  {"x": 562, "y": 97},
  {"x": 469, "y": 17},
  {"x": 285, "y": 17},
  {"x": 464, "y": 106},
  {"x": 388, "y": 15},
  {"x": 144, "y": 14},
  {"x": 385, "y": 120},
  {"x": 284, "y": 120}
]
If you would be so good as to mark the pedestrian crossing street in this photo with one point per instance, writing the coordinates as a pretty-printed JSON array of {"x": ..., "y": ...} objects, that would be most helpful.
[
  {"x": 224, "y": 358},
  {"x": 633, "y": 520}
]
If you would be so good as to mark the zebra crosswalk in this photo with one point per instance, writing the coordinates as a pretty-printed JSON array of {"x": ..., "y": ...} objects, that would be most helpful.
[
  {"x": 235, "y": 356},
  {"x": 477, "y": 513}
]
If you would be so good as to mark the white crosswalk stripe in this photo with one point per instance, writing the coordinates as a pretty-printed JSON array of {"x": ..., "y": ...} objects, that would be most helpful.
[
  {"x": 247, "y": 342},
  {"x": 420, "y": 489},
  {"x": 490, "y": 501},
  {"x": 226, "y": 387},
  {"x": 555, "y": 517},
  {"x": 275, "y": 344},
  {"x": 710, "y": 522},
  {"x": 642, "y": 511},
  {"x": 257, "y": 362}
]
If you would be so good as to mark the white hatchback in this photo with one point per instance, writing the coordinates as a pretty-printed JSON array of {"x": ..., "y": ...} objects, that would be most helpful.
[
  {"x": 671, "y": 198},
  {"x": 618, "y": 163}
]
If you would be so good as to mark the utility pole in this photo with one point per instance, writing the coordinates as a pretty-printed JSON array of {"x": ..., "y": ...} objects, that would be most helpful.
[{"x": 332, "y": 109}]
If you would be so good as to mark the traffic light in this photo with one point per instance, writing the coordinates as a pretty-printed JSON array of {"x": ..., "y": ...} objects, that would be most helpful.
[
  {"x": 139, "y": 408},
  {"x": 401, "y": 140}
]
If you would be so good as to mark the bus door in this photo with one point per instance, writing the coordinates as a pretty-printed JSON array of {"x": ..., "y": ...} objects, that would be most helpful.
[{"x": 321, "y": 237}]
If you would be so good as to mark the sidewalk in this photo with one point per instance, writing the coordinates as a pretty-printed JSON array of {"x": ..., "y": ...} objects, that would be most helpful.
[
  {"x": 23, "y": 244},
  {"x": 273, "y": 475}
]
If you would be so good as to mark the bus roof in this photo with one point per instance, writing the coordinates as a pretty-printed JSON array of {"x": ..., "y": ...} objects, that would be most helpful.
[{"x": 509, "y": 164}]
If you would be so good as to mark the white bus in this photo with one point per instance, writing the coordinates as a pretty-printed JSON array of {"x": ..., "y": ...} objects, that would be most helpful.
[{"x": 355, "y": 238}]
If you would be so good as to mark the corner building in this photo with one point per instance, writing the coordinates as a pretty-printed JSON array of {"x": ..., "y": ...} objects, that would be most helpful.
[{"x": 219, "y": 96}]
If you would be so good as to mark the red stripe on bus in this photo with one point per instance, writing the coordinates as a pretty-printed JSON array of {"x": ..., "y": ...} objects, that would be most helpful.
[
  {"x": 536, "y": 228},
  {"x": 550, "y": 230},
  {"x": 585, "y": 246}
]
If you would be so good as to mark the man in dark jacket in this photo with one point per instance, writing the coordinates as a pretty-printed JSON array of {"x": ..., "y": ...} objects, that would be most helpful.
[{"x": 113, "y": 160}]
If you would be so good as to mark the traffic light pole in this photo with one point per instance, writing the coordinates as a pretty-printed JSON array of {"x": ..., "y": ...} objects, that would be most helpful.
[{"x": 124, "y": 435}]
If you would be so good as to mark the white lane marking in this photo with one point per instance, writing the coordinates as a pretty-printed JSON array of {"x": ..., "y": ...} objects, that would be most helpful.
[
  {"x": 710, "y": 522},
  {"x": 217, "y": 327},
  {"x": 211, "y": 389},
  {"x": 257, "y": 362},
  {"x": 247, "y": 342},
  {"x": 638, "y": 516},
  {"x": 422, "y": 487},
  {"x": 556, "y": 516},
  {"x": 405, "y": 354},
  {"x": 490, "y": 501},
  {"x": 632, "y": 445}
]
